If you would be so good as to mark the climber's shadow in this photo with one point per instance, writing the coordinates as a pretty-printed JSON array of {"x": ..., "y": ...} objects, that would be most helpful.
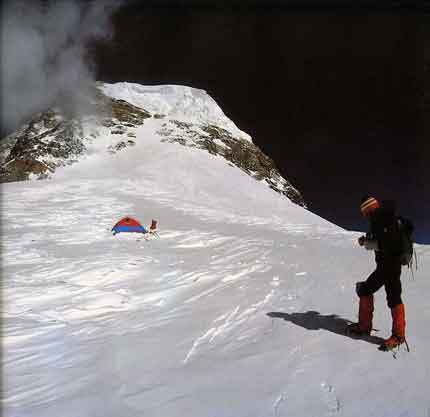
[{"x": 313, "y": 320}]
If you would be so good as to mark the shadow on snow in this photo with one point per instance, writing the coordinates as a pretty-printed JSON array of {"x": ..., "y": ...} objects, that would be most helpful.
[{"x": 313, "y": 320}]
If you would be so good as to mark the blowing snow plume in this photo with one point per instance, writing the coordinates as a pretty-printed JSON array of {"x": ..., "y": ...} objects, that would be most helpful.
[{"x": 44, "y": 54}]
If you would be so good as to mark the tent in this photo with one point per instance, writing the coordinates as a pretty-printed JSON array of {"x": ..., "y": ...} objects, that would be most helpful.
[{"x": 129, "y": 225}]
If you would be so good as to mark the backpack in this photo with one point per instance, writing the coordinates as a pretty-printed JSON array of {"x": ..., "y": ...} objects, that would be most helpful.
[{"x": 405, "y": 229}]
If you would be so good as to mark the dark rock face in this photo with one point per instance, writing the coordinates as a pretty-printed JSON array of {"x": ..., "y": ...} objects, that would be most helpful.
[
  {"x": 46, "y": 142},
  {"x": 50, "y": 140}
]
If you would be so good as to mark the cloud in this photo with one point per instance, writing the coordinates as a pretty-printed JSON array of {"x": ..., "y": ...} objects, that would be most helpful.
[{"x": 44, "y": 54}]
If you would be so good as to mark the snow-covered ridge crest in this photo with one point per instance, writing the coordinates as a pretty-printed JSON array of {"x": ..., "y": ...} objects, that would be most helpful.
[{"x": 180, "y": 102}]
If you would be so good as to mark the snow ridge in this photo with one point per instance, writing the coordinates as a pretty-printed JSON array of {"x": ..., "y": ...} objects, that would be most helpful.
[{"x": 115, "y": 125}]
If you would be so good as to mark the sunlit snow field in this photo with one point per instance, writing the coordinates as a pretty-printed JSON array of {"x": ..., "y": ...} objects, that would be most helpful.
[{"x": 237, "y": 309}]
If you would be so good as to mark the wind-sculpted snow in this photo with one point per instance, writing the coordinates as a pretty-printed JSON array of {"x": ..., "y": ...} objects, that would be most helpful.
[
  {"x": 176, "y": 101},
  {"x": 236, "y": 310}
]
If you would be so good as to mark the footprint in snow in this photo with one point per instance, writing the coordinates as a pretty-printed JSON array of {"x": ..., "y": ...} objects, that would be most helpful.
[{"x": 330, "y": 398}]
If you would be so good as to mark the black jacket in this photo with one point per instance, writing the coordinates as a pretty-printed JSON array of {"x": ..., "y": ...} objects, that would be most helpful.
[{"x": 384, "y": 234}]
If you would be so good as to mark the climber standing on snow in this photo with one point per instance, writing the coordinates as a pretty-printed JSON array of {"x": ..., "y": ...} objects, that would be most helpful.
[{"x": 382, "y": 239}]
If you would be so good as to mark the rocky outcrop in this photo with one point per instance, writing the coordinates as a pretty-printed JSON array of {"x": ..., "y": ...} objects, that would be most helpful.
[
  {"x": 46, "y": 142},
  {"x": 51, "y": 139}
]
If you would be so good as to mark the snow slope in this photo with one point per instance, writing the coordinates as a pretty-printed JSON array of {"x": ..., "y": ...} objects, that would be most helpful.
[{"x": 238, "y": 308}]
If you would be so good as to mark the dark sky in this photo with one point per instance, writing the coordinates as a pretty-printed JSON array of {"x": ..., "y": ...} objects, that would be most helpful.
[{"x": 336, "y": 96}]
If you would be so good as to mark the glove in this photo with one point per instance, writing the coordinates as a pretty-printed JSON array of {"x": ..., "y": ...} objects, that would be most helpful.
[{"x": 371, "y": 244}]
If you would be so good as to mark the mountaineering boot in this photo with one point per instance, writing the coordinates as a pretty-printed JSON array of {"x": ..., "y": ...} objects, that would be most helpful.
[
  {"x": 398, "y": 330},
  {"x": 365, "y": 317}
]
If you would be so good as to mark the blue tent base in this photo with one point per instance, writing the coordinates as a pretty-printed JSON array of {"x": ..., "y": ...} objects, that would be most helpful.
[{"x": 128, "y": 229}]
